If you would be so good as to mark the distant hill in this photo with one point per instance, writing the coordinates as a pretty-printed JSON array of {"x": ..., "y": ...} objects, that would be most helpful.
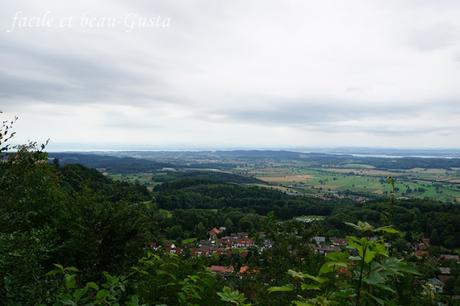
[
  {"x": 146, "y": 161},
  {"x": 325, "y": 159},
  {"x": 109, "y": 163},
  {"x": 130, "y": 165}
]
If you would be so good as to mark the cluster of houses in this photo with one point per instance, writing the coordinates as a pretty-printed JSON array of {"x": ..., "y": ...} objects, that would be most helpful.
[
  {"x": 442, "y": 276},
  {"x": 224, "y": 245},
  {"x": 218, "y": 244},
  {"x": 240, "y": 242},
  {"x": 421, "y": 250},
  {"x": 323, "y": 246},
  {"x": 228, "y": 270}
]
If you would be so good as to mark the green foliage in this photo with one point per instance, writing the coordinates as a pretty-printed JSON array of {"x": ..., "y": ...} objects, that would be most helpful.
[
  {"x": 23, "y": 257},
  {"x": 43, "y": 221},
  {"x": 112, "y": 291},
  {"x": 363, "y": 274},
  {"x": 6, "y": 133},
  {"x": 285, "y": 288},
  {"x": 155, "y": 280},
  {"x": 170, "y": 280},
  {"x": 233, "y": 297}
]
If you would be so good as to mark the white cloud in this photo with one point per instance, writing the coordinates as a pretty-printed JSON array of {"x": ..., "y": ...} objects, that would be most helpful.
[{"x": 236, "y": 74}]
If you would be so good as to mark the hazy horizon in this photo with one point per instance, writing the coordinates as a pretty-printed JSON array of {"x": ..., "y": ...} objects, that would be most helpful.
[{"x": 355, "y": 151}]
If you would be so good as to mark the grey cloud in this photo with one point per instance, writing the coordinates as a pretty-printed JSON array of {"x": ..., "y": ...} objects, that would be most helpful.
[
  {"x": 435, "y": 37},
  {"x": 293, "y": 112},
  {"x": 384, "y": 130},
  {"x": 81, "y": 79},
  {"x": 334, "y": 116},
  {"x": 15, "y": 88}
]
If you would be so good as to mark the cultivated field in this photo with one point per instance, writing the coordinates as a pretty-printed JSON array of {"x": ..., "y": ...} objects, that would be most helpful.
[
  {"x": 436, "y": 184},
  {"x": 286, "y": 178}
]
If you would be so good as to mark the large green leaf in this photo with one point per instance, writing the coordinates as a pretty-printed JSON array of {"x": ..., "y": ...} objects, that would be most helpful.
[
  {"x": 390, "y": 229},
  {"x": 101, "y": 295},
  {"x": 344, "y": 293},
  {"x": 309, "y": 287},
  {"x": 369, "y": 256},
  {"x": 337, "y": 256},
  {"x": 295, "y": 274},
  {"x": 385, "y": 287},
  {"x": 70, "y": 281},
  {"x": 361, "y": 226},
  {"x": 397, "y": 267},
  {"x": 379, "y": 248},
  {"x": 285, "y": 288},
  {"x": 374, "y": 278},
  {"x": 231, "y": 296},
  {"x": 331, "y": 267},
  {"x": 358, "y": 244}
]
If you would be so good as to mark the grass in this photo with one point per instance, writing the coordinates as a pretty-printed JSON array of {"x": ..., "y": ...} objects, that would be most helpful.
[
  {"x": 363, "y": 166},
  {"x": 301, "y": 178},
  {"x": 435, "y": 184},
  {"x": 286, "y": 178},
  {"x": 189, "y": 241},
  {"x": 141, "y": 178},
  {"x": 166, "y": 213}
]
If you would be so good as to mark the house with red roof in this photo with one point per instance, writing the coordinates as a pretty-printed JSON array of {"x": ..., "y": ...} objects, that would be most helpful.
[
  {"x": 246, "y": 270},
  {"x": 213, "y": 233},
  {"x": 221, "y": 269}
]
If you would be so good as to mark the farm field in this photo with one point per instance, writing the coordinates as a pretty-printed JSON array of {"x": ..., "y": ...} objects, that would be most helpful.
[
  {"x": 144, "y": 179},
  {"x": 322, "y": 175},
  {"x": 286, "y": 178},
  {"x": 415, "y": 183}
]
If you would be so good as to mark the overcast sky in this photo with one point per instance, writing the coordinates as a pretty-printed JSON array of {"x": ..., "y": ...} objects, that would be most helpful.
[{"x": 232, "y": 74}]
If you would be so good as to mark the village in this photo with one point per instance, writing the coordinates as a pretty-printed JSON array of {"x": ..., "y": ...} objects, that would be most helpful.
[{"x": 221, "y": 243}]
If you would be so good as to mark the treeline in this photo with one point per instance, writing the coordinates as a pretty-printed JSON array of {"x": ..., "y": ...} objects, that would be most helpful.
[
  {"x": 435, "y": 220},
  {"x": 204, "y": 176},
  {"x": 186, "y": 194}
]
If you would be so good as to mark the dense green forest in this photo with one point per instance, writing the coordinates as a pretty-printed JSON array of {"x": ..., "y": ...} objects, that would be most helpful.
[
  {"x": 418, "y": 216},
  {"x": 71, "y": 236}
]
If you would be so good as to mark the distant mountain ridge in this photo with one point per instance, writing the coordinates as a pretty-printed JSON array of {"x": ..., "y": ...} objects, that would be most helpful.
[{"x": 110, "y": 163}]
